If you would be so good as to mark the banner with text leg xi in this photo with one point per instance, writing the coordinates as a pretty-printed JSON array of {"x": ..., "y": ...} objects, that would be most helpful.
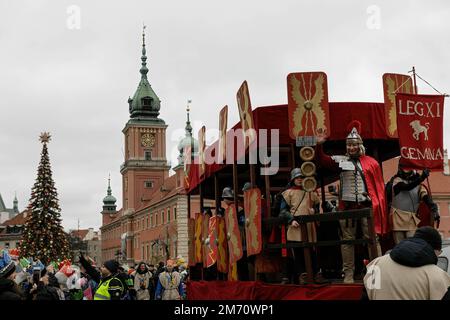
[{"x": 420, "y": 130}]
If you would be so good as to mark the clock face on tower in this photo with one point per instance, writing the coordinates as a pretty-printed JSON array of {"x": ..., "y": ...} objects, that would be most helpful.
[{"x": 148, "y": 140}]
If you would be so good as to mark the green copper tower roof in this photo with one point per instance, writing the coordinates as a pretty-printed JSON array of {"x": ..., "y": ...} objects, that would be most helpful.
[
  {"x": 145, "y": 104},
  {"x": 188, "y": 140},
  {"x": 109, "y": 202}
]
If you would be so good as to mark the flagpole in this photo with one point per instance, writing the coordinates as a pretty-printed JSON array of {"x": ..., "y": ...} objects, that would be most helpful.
[{"x": 414, "y": 79}]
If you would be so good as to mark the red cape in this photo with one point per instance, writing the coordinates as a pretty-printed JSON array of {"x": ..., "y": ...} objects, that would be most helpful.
[{"x": 375, "y": 188}]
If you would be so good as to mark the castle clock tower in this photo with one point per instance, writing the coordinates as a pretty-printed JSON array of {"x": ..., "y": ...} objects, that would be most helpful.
[{"x": 145, "y": 166}]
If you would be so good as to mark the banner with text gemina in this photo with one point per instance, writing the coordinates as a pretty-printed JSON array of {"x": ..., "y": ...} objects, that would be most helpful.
[{"x": 420, "y": 130}]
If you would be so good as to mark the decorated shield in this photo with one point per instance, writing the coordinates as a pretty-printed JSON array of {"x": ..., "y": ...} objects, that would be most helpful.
[
  {"x": 205, "y": 235},
  {"x": 211, "y": 242},
  {"x": 235, "y": 251},
  {"x": 308, "y": 110},
  {"x": 222, "y": 245},
  {"x": 201, "y": 151},
  {"x": 252, "y": 208},
  {"x": 191, "y": 242},
  {"x": 246, "y": 115},
  {"x": 187, "y": 161},
  {"x": 223, "y": 122},
  {"x": 399, "y": 83},
  {"x": 198, "y": 237}
]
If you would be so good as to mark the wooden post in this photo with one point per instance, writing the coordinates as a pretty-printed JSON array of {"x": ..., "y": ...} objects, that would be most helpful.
[
  {"x": 373, "y": 252},
  {"x": 200, "y": 189},
  {"x": 235, "y": 185},
  {"x": 414, "y": 79},
  {"x": 217, "y": 192},
  {"x": 252, "y": 175}
]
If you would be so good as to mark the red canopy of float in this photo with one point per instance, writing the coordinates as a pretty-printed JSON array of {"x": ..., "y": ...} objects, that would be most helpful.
[{"x": 370, "y": 115}]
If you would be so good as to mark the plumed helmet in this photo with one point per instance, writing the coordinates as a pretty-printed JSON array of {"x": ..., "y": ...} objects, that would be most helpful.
[
  {"x": 246, "y": 186},
  {"x": 355, "y": 128},
  {"x": 296, "y": 173},
  {"x": 227, "y": 193}
]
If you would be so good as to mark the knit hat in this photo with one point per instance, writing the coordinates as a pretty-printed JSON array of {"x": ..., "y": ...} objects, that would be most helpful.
[
  {"x": 430, "y": 235},
  {"x": 111, "y": 265}
]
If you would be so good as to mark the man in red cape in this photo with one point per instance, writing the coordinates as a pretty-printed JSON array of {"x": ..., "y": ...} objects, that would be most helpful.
[{"x": 361, "y": 186}]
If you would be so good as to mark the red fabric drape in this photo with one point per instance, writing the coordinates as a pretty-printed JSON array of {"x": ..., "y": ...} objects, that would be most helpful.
[
  {"x": 255, "y": 290},
  {"x": 371, "y": 116}
]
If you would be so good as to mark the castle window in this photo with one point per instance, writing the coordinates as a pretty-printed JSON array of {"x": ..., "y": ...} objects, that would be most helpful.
[
  {"x": 147, "y": 103},
  {"x": 168, "y": 215},
  {"x": 174, "y": 213},
  {"x": 149, "y": 184},
  {"x": 147, "y": 155},
  {"x": 162, "y": 217}
]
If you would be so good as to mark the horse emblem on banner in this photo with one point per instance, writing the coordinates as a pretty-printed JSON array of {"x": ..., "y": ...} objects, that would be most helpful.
[
  {"x": 222, "y": 246},
  {"x": 308, "y": 105},
  {"x": 392, "y": 83},
  {"x": 252, "y": 209},
  {"x": 235, "y": 251}
]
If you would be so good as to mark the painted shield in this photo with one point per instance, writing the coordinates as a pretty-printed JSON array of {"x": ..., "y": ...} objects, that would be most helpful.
[
  {"x": 246, "y": 115},
  {"x": 235, "y": 251},
  {"x": 201, "y": 151},
  {"x": 187, "y": 161},
  {"x": 191, "y": 242},
  {"x": 205, "y": 235},
  {"x": 211, "y": 242},
  {"x": 223, "y": 122},
  {"x": 252, "y": 208},
  {"x": 392, "y": 82},
  {"x": 198, "y": 237},
  {"x": 308, "y": 110},
  {"x": 222, "y": 246}
]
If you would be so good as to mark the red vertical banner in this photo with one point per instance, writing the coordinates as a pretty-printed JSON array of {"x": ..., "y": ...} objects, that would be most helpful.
[
  {"x": 420, "y": 130},
  {"x": 223, "y": 123},
  {"x": 205, "y": 235},
  {"x": 246, "y": 115},
  {"x": 222, "y": 246},
  {"x": 235, "y": 251},
  {"x": 187, "y": 164},
  {"x": 308, "y": 109},
  {"x": 394, "y": 83},
  {"x": 252, "y": 209},
  {"x": 191, "y": 242},
  {"x": 211, "y": 242},
  {"x": 201, "y": 151},
  {"x": 198, "y": 237}
]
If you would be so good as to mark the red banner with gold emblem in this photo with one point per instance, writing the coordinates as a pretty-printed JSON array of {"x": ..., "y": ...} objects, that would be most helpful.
[
  {"x": 392, "y": 82},
  {"x": 235, "y": 251},
  {"x": 205, "y": 235},
  {"x": 246, "y": 115},
  {"x": 308, "y": 110},
  {"x": 201, "y": 151},
  {"x": 420, "y": 130},
  {"x": 223, "y": 122},
  {"x": 191, "y": 242},
  {"x": 252, "y": 209},
  {"x": 211, "y": 242},
  {"x": 222, "y": 246},
  {"x": 198, "y": 237}
]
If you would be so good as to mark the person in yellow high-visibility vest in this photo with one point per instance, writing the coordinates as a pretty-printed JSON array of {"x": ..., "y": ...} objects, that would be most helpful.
[{"x": 110, "y": 287}]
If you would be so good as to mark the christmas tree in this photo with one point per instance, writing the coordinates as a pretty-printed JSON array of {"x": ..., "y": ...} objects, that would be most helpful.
[{"x": 43, "y": 235}]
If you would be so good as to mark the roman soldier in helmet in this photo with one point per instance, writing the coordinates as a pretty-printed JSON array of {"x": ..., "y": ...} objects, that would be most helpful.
[
  {"x": 296, "y": 202},
  {"x": 361, "y": 186},
  {"x": 405, "y": 193}
]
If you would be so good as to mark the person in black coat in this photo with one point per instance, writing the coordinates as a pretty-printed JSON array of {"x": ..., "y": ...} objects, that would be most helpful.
[{"x": 9, "y": 290}]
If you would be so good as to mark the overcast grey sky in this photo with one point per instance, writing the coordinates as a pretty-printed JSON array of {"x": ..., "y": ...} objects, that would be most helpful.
[{"x": 75, "y": 82}]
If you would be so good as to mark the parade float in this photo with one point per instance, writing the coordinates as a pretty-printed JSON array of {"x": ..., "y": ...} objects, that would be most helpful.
[{"x": 260, "y": 151}]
